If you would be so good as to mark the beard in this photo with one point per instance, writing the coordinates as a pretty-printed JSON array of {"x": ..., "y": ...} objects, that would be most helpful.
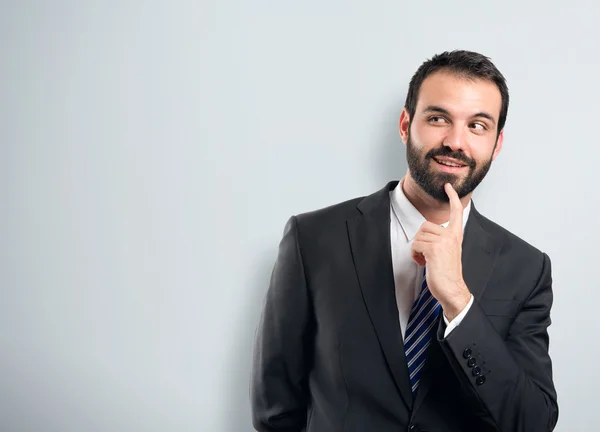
[{"x": 433, "y": 182}]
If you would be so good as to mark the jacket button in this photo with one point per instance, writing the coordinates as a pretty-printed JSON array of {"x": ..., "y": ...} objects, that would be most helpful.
[
  {"x": 471, "y": 362},
  {"x": 476, "y": 371},
  {"x": 467, "y": 353},
  {"x": 480, "y": 380},
  {"x": 414, "y": 428}
]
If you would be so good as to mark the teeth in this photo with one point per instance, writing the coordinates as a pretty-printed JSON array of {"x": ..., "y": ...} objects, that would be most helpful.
[{"x": 449, "y": 163}]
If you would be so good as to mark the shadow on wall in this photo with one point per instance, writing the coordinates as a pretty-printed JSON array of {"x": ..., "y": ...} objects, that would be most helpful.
[
  {"x": 237, "y": 389},
  {"x": 390, "y": 160},
  {"x": 390, "y": 164}
]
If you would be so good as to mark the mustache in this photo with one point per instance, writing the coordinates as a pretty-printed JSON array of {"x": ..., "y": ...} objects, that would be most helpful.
[{"x": 446, "y": 152}]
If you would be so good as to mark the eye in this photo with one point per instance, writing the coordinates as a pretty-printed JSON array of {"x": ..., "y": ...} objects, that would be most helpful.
[
  {"x": 437, "y": 120},
  {"x": 480, "y": 127}
]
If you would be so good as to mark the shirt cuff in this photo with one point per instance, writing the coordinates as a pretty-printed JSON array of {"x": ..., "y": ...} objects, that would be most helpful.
[{"x": 456, "y": 321}]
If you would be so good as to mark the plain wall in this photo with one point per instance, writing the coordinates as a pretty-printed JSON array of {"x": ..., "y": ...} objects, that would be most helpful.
[{"x": 152, "y": 151}]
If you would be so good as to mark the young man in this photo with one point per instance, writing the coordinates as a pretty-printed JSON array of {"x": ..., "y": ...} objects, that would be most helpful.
[{"x": 407, "y": 310}]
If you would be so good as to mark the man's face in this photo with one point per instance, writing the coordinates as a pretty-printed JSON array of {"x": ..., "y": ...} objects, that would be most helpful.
[{"x": 452, "y": 137}]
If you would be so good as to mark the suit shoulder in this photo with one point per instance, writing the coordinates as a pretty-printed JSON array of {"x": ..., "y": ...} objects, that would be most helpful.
[
  {"x": 336, "y": 215},
  {"x": 323, "y": 224},
  {"x": 331, "y": 214},
  {"x": 511, "y": 241}
]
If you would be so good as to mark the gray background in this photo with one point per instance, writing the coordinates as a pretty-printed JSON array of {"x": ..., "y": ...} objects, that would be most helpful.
[{"x": 151, "y": 152}]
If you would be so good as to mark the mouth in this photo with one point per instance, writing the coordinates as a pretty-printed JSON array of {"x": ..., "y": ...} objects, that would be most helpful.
[{"x": 449, "y": 165}]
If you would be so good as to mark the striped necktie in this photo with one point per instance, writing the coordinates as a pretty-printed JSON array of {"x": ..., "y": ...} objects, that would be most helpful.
[{"x": 419, "y": 331}]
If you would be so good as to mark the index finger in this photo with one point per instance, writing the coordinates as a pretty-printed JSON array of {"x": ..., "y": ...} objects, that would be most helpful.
[{"x": 456, "y": 208}]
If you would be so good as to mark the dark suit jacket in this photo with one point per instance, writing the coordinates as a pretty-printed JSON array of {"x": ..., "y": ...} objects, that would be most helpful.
[{"x": 329, "y": 354}]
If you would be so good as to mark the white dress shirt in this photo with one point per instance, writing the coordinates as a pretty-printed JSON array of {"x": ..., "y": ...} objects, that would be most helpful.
[{"x": 405, "y": 221}]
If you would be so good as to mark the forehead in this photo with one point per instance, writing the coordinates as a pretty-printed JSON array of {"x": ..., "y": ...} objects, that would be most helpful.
[{"x": 459, "y": 95}]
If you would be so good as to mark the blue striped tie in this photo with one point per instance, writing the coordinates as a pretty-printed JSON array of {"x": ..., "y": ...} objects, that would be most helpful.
[{"x": 420, "y": 328}]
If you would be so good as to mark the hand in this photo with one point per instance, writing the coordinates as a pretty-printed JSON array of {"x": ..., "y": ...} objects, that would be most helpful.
[{"x": 440, "y": 249}]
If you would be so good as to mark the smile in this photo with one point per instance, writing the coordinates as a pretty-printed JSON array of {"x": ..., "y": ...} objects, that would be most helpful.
[
  {"x": 449, "y": 162},
  {"x": 449, "y": 165}
]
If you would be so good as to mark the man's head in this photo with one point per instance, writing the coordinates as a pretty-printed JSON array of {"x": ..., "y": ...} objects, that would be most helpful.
[{"x": 454, "y": 114}]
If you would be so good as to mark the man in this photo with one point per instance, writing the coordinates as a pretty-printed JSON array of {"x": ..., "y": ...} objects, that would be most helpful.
[{"x": 407, "y": 310}]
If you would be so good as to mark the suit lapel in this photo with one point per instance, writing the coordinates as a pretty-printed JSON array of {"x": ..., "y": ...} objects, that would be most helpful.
[
  {"x": 369, "y": 236},
  {"x": 479, "y": 254},
  {"x": 480, "y": 251}
]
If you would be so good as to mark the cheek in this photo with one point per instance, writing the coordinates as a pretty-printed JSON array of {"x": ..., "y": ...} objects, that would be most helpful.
[
  {"x": 427, "y": 137},
  {"x": 482, "y": 149}
]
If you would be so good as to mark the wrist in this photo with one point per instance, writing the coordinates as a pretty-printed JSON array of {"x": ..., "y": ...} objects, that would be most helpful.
[{"x": 456, "y": 304}]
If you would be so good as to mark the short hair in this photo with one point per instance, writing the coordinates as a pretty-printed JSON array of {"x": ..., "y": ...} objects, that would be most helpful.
[{"x": 467, "y": 64}]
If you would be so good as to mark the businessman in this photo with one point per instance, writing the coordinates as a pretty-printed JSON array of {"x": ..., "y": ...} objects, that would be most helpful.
[{"x": 407, "y": 310}]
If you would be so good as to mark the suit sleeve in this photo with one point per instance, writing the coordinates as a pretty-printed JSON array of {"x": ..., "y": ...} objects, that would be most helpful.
[
  {"x": 511, "y": 378},
  {"x": 279, "y": 389}
]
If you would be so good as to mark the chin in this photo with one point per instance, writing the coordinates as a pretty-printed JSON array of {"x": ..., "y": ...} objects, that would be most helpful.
[
  {"x": 439, "y": 191},
  {"x": 442, "y": 178}
]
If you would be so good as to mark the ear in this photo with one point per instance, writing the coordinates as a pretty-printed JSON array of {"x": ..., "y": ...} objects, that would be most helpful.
[
  {"x": 404, "y": 125},
  {"x": 499, "y": 142}
]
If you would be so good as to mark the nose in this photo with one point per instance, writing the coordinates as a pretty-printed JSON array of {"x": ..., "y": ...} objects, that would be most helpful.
[{"x": 455, "y": 139}]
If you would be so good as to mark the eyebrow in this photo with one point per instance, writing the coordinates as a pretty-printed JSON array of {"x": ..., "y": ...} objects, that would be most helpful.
[{"x": 437, "y": 109}]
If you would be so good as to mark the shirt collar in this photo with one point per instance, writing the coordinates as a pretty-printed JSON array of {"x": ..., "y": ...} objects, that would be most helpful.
[{"x": 409, "y": 217}]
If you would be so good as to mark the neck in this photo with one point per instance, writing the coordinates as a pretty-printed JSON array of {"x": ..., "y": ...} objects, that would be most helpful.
[{"x": 431, "y": 209}]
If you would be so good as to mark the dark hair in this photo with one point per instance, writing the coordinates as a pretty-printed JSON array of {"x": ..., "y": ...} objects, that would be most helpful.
[{"x": 468, "y": 64}]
